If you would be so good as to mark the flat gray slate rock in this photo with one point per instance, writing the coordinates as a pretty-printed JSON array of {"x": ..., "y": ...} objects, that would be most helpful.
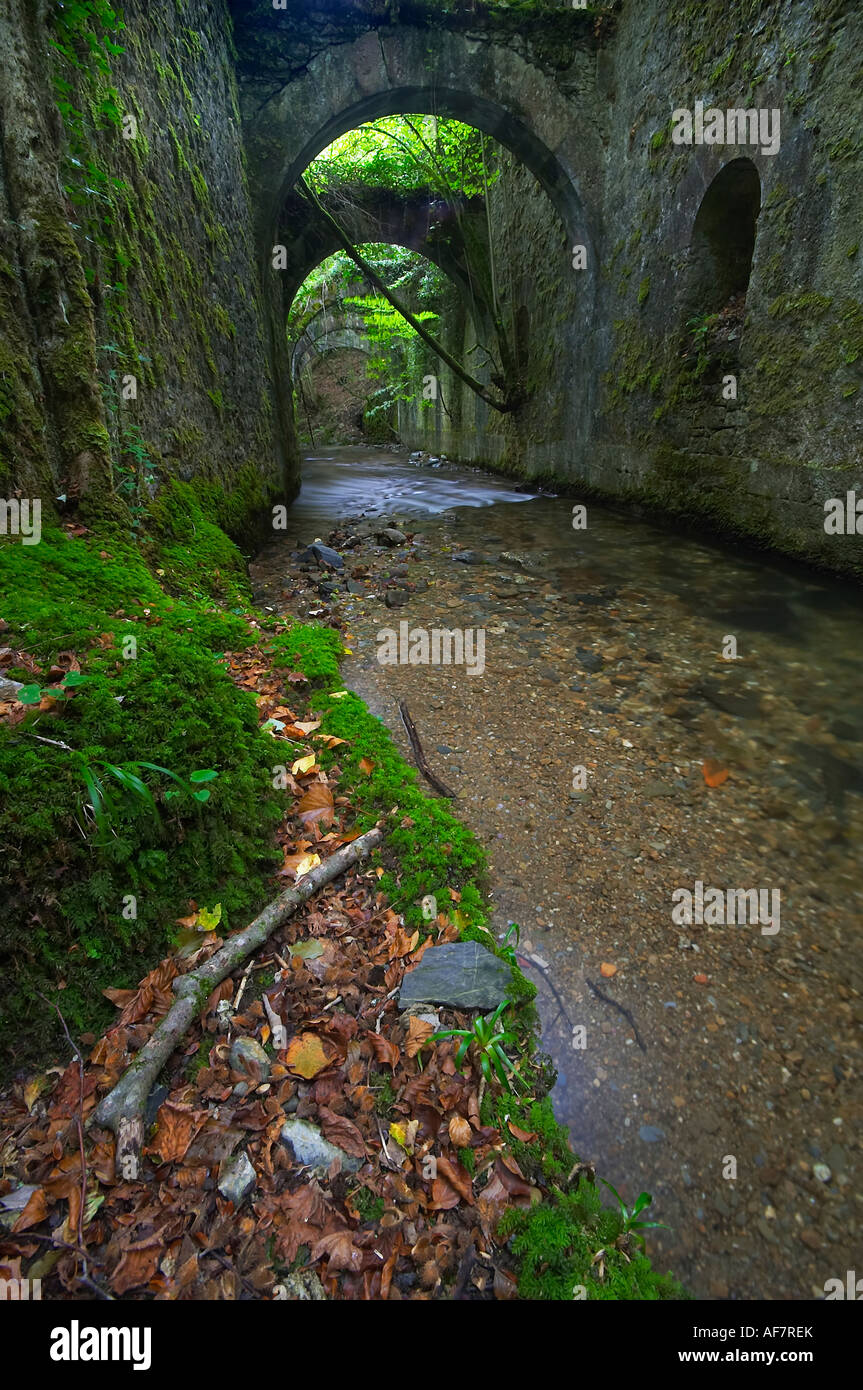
[
  {"x": 462, "y": 973},
  {"x": 310, "y": 1148}
]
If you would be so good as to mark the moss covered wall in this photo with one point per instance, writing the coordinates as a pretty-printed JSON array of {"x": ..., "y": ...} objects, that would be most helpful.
[
  {"x": 129, "y": 257},
  {"x": 640, "y": 415},
  {"x": 147, "y": 256}
]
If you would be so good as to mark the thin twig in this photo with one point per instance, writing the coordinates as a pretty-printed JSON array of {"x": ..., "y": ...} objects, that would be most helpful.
[
  {"x": 55, "y": 742},
  {"x": 607, "y": 999},
  {"x": 528, "y": 960},
  {"x": 23, "y": 1236},
  {"x": 421, "y": 760},
  {"x": 77, "y": 1056}
]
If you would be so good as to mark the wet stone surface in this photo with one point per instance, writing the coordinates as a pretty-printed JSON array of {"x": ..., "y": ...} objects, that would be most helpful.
[
  {"x": 605, "y": 652},
  {"x": 462, "y": 974}
]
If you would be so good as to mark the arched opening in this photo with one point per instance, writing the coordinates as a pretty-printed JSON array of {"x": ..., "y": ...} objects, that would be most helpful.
[
  {"x": 470, "y": 109},
  {"x": 292, "y": 110},
  {"x": 723, "y": 240},
  {"x": 354, "y": 361},
  {"x": 424, "y": 184}
]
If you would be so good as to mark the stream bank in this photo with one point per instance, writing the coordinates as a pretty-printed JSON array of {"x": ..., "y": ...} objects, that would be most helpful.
[{"x": 604, "y": 652}]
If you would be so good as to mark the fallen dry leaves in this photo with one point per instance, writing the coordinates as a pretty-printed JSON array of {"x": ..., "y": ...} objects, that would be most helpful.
[{"x": 349, "y": 1063}]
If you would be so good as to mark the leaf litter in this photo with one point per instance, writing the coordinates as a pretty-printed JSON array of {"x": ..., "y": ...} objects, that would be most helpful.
[{"x": 415, "y": 1218}]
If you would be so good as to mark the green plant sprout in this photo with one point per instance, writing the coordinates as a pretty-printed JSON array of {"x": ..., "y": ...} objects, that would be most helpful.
[
  {"x": 132, "y": 785},
  {"x": 631, "y": 1224},
  {"x": 487, "y": 1040},
  {"x": 507, "y": 952},
  {"x": 32, "y": 694},
  {"x": 700, "y": 324}
]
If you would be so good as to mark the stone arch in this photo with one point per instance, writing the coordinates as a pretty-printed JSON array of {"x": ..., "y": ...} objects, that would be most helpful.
[
  {"x": 394, "y": 72},
  {"x": 417, "y": 221},
  {"x": 295, "y": 101},
  {"x": 326, "y": 334}
]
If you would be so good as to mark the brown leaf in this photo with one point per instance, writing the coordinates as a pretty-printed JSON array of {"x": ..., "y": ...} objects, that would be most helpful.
[
  {"x": 176, "y": 1128},
  {"x": 35, "y": 1211},
  {"x": 713, "y": 772},
  {"x": 343, "y": 1132},
  {"x": 457, "y": 1176},
  {"x": 306, "y": 1056},
  {"x": 401, "y": 944},
  {"x": 444, "y": 1195},
  {"x": 154, "y": 992},
  {"x": 367, "y": 766},
  {"x": 384, "y": 1050},
  {"x": 138, "y": 1265},
  {"x": 418, "y": 1032},
  {"x": 340, "y": 1251},
  {"x": 511, "y": 1178},
  {"x": 522, "y": 1134},
  {"x": 316, "y": 804},
  {"x": 460, "y": 1132}
]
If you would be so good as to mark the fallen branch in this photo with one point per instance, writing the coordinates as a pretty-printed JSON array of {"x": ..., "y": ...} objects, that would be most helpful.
[
  {"x": 122, "y": 1110},
  {"x": 420, "y": 756},
  {"x": 370, "y": 274}
]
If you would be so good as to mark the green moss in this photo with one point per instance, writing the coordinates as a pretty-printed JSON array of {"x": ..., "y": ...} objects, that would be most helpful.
[
  {"x": 644, "y": 289},
  {"x": 369, "y": 1206},
  {"x": 201, "y": 1058},
  {"x": 428, "y": 850},
  {"x": 192, "y": 551},
  {"x": 173, "y": 704},
  {"x": 312, "y": 650},
  {"x": 467, "y": 1159},
  {"x": 555, "y": 1244},
  {"x": 723, "y": 65},
  {"x": 381, "y": 1083}
]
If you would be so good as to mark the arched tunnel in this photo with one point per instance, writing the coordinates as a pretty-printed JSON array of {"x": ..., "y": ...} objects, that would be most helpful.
[{"x": 431, "y": 741}]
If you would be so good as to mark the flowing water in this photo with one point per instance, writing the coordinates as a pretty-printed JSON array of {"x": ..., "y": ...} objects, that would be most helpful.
[{"x": 612, "y": 751}]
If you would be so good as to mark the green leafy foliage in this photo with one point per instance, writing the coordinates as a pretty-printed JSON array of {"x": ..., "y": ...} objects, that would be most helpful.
[
  {"x": 630, "y": 1217},
  {"x": 132, "y": 786},
  {"x": 487, "y": 1039},
  {"x": 396, "y": 351},
  {"x": 406, "y": 153}
]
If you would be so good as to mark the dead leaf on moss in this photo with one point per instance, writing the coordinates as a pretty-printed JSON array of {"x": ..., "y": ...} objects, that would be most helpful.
[{"x": 316, "y": 804}]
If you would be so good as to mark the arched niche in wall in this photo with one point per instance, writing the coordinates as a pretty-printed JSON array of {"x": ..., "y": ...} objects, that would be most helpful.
[{"x": 723, "y": 240}]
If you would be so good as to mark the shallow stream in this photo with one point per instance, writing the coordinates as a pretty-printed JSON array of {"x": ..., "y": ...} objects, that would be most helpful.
[{"x": 736, "y": 1099}]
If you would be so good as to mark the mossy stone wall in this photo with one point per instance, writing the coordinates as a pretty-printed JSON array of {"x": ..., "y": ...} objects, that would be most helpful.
[
  {"x": 125, "y": 252},
  {"x": 642, "y": 417}
]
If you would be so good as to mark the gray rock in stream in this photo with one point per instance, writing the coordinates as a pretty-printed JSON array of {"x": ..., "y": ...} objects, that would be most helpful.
[
  {"x": 462, "y": 974},
  {"x": 322, "y": 555}
]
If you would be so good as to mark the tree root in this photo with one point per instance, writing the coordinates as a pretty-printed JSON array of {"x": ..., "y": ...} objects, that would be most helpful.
[{"x": 122, "y": 1110}]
